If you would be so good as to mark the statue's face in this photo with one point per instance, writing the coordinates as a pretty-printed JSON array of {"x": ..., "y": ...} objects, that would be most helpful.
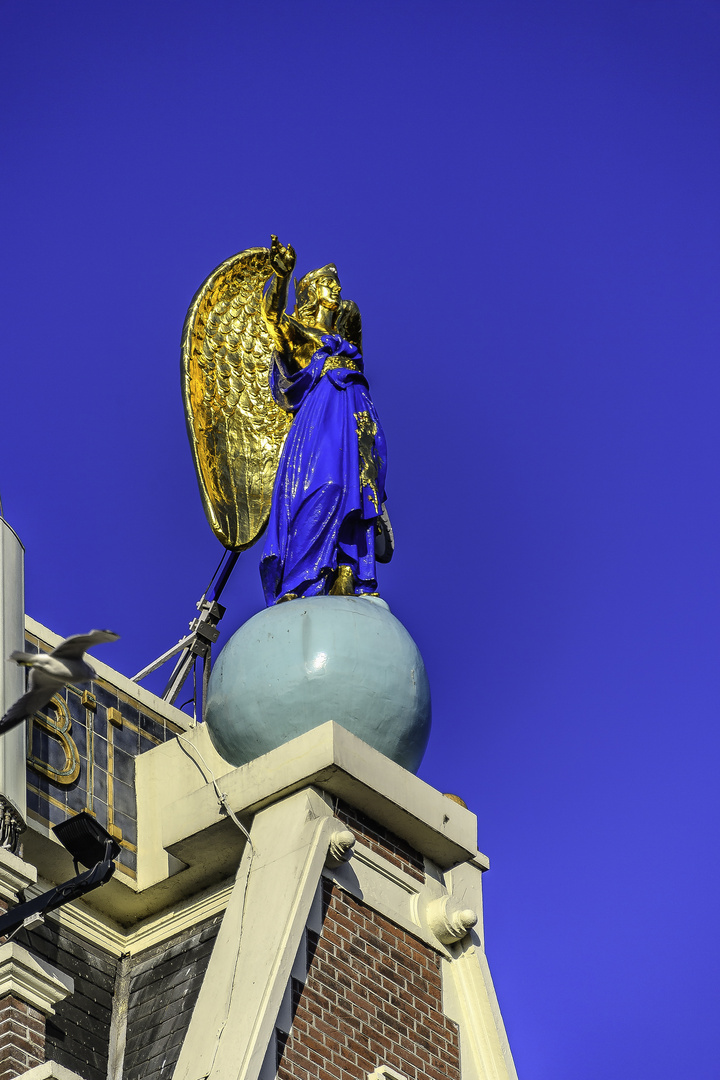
[{"x": 327, "y": 290}]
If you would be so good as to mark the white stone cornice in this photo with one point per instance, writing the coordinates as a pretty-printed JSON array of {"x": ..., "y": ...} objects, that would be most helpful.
[
  {"x": 34, "y": 981},
  {"x": 15, "y": 875},
  {"x": 92, "y": 926},
  {"x": 50, "y": 1070}
]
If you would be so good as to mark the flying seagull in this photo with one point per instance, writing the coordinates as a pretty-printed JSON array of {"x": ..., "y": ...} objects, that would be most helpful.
[{"x": 50, "y": 672}]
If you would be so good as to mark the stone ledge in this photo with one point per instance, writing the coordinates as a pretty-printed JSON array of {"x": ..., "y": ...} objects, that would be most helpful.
[
  {"x": 330, "y": 758},
  {"x": 34, "y": 981},
  {"x": 50, "y": 1070},
  {"x": 15, "y": 875},
  {"x": 187, "y": 844}
]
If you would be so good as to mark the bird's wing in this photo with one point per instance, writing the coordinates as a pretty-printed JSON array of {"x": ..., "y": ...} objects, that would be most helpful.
[
  {"x": 72, "y": 648},
  {"x": 54, "y": 671},
  {"x": 27, "y": 658},
  {"x": 25, "y": 706},
  {"x": 99, "y": 637}
]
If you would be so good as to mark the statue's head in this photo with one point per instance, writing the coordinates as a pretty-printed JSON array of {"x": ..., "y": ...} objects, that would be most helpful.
[{"x": 319, "y": 288}]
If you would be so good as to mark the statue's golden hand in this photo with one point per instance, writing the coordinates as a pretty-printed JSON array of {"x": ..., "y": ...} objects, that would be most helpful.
[{"x": 282, "y": 259}]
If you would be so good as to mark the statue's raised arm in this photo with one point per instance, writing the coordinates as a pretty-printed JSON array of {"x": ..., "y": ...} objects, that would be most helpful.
[
  {"x": 282, "y": 329},
  {"x": 248, "y": 367}
]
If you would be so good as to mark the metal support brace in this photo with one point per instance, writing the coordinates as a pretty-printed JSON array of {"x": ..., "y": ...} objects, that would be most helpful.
[
  {"x": 198, "y": 643},
  {"x": 203, "y": 633}
]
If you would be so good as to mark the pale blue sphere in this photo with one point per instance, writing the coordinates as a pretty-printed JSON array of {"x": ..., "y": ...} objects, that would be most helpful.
[{"x": 297, "y": 665}]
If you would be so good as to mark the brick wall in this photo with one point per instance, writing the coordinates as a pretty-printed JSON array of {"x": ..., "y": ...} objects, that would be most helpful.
[
  {"x": 22, "y": 1037},
  {"x": 372, "y": 997},
  {"x": 379, "y": 839}
]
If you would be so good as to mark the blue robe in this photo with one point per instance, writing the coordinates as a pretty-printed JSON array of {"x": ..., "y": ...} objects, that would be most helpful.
[{"x": 330, "y": 482}]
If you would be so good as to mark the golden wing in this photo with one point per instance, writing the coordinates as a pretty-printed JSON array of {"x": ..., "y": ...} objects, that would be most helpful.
[{"x": 236, "y": 430}]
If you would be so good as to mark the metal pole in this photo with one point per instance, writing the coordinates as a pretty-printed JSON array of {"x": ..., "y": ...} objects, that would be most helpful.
[
  {"x": 198, "y": 643},
  {"x": 12, "y": 685}
]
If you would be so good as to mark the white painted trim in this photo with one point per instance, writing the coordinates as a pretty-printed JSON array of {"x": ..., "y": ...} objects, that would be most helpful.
[
  {"x": 384, "y": 1072},
  {"x": 234, "y": 1018},
  {"x": 469, "y": 999},
  {"x": 50, "y": 1070},
  {"x": 367, "y": 875},
  {"x": 95, "y": 928},
  {"x": 33, "y": 981},
  {"x": 159, "y": 928}
]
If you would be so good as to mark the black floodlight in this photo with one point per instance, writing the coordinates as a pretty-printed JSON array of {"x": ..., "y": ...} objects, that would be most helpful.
[
  {"x": 86, "y": 840},
  {"x": 89, "y": 844}
]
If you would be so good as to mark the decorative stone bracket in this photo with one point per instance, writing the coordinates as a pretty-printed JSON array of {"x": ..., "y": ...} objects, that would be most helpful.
[
  {"x": 448, "y": 922},
  {"x": 340, "y": 848},
  {"x": 12, "y": 825}
]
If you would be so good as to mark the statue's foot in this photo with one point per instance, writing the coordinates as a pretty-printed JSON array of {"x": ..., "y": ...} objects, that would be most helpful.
[
  {"x": 287, "y": 596},
  {"x": 369, "y": 595},
  {"x": 344, "y": 584}
]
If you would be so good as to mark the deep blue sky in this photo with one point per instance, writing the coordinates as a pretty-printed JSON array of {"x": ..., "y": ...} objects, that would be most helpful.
[{"x": 522, "y": 197}]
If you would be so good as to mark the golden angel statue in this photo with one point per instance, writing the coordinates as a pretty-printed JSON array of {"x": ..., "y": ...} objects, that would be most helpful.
[{"x": 283, "y": 430}]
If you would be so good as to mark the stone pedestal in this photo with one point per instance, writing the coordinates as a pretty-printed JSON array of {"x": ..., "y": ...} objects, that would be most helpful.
[
  {"x": 298, "y": 665},
  {"x": 29, "y": 991},
  {"x": 15, "y": 876}
]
